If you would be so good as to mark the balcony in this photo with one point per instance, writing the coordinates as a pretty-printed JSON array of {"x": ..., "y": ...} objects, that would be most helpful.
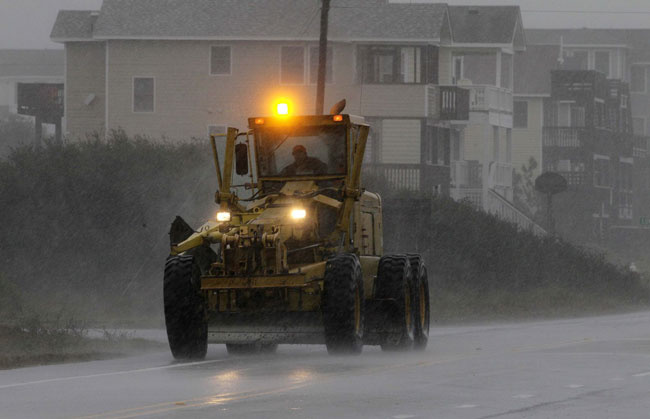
[
  {"x": 423, "y": 178},
  {"x": 447, "y": 103},
  {"x": 489, "y": 99},
  {"x": 577, "y": 178},
  {"x": 568, "y": 137}
]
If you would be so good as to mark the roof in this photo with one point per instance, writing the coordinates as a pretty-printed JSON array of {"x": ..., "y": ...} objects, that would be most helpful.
[
  {"x": 484, "y": 24},
  {"x": 74, "y": 24},
  {"x": 533, "y": 69},
  {"x": 253, "y": 19},
  {"x": 638, "y": 40},
  {"x": 31, "y": 63}
]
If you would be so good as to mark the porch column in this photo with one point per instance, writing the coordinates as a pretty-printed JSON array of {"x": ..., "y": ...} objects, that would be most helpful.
[
  {"x": 498, "y": 80},
  {"x": 487, "y": 159}
]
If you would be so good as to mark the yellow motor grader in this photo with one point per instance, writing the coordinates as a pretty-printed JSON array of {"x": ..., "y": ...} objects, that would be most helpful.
[{"x": 301, "y": 260}]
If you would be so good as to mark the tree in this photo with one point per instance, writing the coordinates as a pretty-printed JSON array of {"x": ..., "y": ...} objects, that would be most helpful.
[{"x": 525, "y": 195}]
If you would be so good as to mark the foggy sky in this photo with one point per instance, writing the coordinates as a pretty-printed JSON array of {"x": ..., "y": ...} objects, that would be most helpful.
[{"x": 27, "y": 23}]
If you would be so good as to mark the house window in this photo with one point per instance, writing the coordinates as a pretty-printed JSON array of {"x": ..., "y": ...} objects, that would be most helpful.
[
  {"x": 576, "y": 60},
  {"x": 520, "y": 114},
  {"x": 506, "y": 71},
  {"x": 601, "y": 171},
  {"x": 392, "y": 65},
  {"x": 564, "y": 114},
  {"x": 458, "y": 69},
  {"x": 220, "y": 60},
  {"x": 313, "y": 65},
  {"x": 292, "y": 65},
  {"x": 637, "y": 79},
  {"x": 601, "y": 62},
  {"x": 143, "y": 94}
]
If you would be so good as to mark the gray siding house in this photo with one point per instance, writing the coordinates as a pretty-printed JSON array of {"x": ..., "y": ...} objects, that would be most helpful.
[{"x": 434, "y": 81}]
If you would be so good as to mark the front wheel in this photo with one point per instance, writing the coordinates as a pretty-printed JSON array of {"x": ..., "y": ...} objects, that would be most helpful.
[
  {"x": 343, "y": 305},
  {"x": 185, "y": 311}
]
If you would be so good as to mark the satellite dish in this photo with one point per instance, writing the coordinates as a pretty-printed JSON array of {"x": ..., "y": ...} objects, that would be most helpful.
[{"x": 551, "y": 183}]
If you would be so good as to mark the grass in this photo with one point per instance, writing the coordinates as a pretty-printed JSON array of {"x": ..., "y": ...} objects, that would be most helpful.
[
  {"x": 461, "y": 306},
  {"x": 31, "y": 340}
]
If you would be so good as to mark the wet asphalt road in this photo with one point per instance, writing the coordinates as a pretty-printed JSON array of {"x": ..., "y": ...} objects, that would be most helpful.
[{"x": 596, "y": 367}]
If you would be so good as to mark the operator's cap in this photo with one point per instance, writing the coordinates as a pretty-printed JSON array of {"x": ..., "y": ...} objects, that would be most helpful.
[{"x": 298, "y": 148}]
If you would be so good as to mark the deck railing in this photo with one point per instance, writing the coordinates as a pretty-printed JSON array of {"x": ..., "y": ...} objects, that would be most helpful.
[
  {"x": 489, "y": 98},
  {"x": 577, "y": 178},
  {"x": 425, "y": 178},
  {"x": 561, "y": 137},
  {"x": 505, "y": 210},
  {"x": 448, "y": 103}
]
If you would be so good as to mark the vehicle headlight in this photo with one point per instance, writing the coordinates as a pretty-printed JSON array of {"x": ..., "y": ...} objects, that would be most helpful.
[
  {"x": 223, "y": 216},
  {"x": 298, "y": 213}
]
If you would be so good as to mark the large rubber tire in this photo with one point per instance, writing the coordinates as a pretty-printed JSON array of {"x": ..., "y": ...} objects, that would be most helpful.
[
  {"x": 421, "y": 301},
  {"x": 343, "y": 305},
  {"x": 394, "y": 283},
  {"x": 185, "y": 310}
]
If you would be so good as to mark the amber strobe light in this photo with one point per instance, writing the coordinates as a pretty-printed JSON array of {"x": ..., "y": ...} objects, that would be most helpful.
[
  {"x": 259, "y": 121},
  {"x": 337, "y": 118},
  {"x": 282, "y": 108}
]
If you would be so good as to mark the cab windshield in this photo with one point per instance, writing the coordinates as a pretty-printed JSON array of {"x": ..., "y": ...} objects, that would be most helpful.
[{"x": 302, "y": 151}]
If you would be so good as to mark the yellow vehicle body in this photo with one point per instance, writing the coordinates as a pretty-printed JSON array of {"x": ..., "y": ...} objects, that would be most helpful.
[{"x": 264, "y": 271}]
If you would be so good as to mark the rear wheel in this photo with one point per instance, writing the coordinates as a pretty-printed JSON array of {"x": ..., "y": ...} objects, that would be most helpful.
[
  {"x": 343, "y": 305},
  {"x": 394, "y": 286},
  {"x": 420, "y": 284},
  {"x": 185, "y": 311}
]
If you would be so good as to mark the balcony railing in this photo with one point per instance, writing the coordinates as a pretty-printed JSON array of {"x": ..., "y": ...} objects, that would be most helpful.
[
  {"x": 425, "y": 178},
  {"x": 448, "y": 103},
  {"x": 489, "y": 99},
  {"x": 502, "y": 208},
  {"x": 577, "y": 178},
  {"x": 561, "y": 137}
]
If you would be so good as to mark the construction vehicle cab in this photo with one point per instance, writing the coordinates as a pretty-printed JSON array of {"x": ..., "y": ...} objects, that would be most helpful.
[{"x": 300, "y": 260}]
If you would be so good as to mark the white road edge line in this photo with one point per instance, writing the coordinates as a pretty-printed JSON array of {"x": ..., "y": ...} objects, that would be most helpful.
[
  {"x": 106, "y": 374},
  {"x": 643, "y": 374}
]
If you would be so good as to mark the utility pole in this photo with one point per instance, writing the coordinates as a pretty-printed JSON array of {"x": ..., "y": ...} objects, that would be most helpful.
[{"x": 322, "y": 57}]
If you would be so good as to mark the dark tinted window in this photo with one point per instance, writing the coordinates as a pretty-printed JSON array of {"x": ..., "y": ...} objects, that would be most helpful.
[
  {"x": 292, "y": 62},
  {"x": 220, "y": 60},
  {"x": 143, "y": 94}
]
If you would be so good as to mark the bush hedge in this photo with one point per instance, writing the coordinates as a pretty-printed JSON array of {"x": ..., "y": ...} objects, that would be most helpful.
[{"x": 86, "y": 223}]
